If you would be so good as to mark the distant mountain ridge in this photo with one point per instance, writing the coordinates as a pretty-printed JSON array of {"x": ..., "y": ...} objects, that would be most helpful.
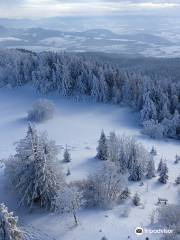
[{"x": 96, "y": 40}]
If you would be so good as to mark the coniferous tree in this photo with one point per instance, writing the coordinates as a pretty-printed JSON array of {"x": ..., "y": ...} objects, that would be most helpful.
[
  {"x": 164, "y": 113},
  {"x": 8, "y": 225},
  {"x": 163, "y": 176},
  {"x": 113, "y": 147},
  {"x": 149, "y": 109},
  {"x": 104, "y": 238},
  {"x": 155, "y": 96},
  {"x": 67, "y": 156},
  {"x": 177, "y": 159},
  {"x": 177, "y": 181},
  {"x": 128, "y": 155},
  {"x": 137, "y": 162},
  {"x": 153, "y": 151},
  {"x": 68, "y": 172},
  {"x": 136, "y": 173},
  {"x": 117, "y": 152},
  {"x": 33, "y": 171},
  {"x": 66, "y": 81},
  {"x": 102, "y": 149},
  {"x": 160, "y": 165},
  {"x": 154, "y": 129},
  {"x": 125, "y": 194},
  {"x": 174, "y": 129},
  {"x": 136, "y": 199},
  {"x": 151, "y": 169}
]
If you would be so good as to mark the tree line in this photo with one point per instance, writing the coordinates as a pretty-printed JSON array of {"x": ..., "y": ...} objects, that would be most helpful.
[{"x": 154, "y": 93}]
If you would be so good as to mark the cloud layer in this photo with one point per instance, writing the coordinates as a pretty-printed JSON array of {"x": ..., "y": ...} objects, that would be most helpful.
[{"x": 46, "y": 8}]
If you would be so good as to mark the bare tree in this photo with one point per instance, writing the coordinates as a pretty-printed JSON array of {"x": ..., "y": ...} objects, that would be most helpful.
[
  {"x": 104, "y": 188},
  {"x": 69, "y": 199}
]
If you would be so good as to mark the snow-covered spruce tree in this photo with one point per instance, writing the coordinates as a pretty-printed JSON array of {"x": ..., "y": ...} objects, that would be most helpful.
[
  {"x": 136, "y": 199},
  {"x": 118, "y": 151},
  {"x": 136, "y": 173},
  {"x": 67, "y": 155},
  {"x": 16, "y": 67},
  {"x": 125, "y": 194},
  {"x": 69, "y": 200},
  {"x": 34, "y": 171},
  {"x": 104, "y": 238},
  {"x": 8, "y": 225},
  {"x": 138, "y": 160},
  {"x": 122, "y": 160},
  {"x": 155, "y": 96},
  {"x": 177, "y": 159},
  {"x": 104, "y": 188},
  {"x": 174, "y": 130},
  {"x": 134, "y": 159},
  {"x": 160, "y": 165},
  {"x": 42, "y": 110},
  {"x": 164, "y": 113},
  {"x": 129, "y": 156},
  {"x": 68, "y": 172},
  {"x": 149, "y": 108},
  {"x": 153, "y": 151},
  {"x": 177, "y": 181},
  {"x": 154, "y": 129},
  {"x": 102, "y": 149},
  {"x": 163, "y": 176},
  {"x": 99, "y": 86},
  {"x": 151, "y": 169},
  {"x": 66, "y": 80}
]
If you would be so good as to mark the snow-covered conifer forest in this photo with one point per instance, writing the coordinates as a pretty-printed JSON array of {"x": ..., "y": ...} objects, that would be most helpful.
[
  {"x": 89, "y": 146},
  {"x": 150, "y": 88}
]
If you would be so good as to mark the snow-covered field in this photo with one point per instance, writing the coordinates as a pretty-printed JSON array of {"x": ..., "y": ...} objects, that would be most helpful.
[{"x": 78, "y": 124}]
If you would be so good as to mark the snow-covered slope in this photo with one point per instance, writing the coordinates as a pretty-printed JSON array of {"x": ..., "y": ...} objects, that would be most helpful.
[{"x": 78, "y": 124}]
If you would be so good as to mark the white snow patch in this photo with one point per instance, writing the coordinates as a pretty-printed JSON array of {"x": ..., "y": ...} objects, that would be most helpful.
[{"x": 79, "y": 124}]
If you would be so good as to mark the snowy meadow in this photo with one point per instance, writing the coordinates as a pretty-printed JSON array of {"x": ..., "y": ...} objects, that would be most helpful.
[{"x": 109, "y": 159}]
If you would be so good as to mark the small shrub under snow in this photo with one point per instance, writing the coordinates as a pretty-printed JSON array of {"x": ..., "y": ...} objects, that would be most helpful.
[{"x": 41, "y": 111}]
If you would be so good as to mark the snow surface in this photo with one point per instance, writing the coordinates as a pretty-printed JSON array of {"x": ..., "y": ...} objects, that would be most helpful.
[{"x": 78, "y": 124}]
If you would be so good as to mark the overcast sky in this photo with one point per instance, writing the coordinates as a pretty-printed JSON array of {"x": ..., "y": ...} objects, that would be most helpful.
[{"x": 49, "y": 8}]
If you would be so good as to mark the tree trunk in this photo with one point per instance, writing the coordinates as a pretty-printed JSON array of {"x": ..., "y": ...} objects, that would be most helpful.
[{"x": 75, "y": 218}]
